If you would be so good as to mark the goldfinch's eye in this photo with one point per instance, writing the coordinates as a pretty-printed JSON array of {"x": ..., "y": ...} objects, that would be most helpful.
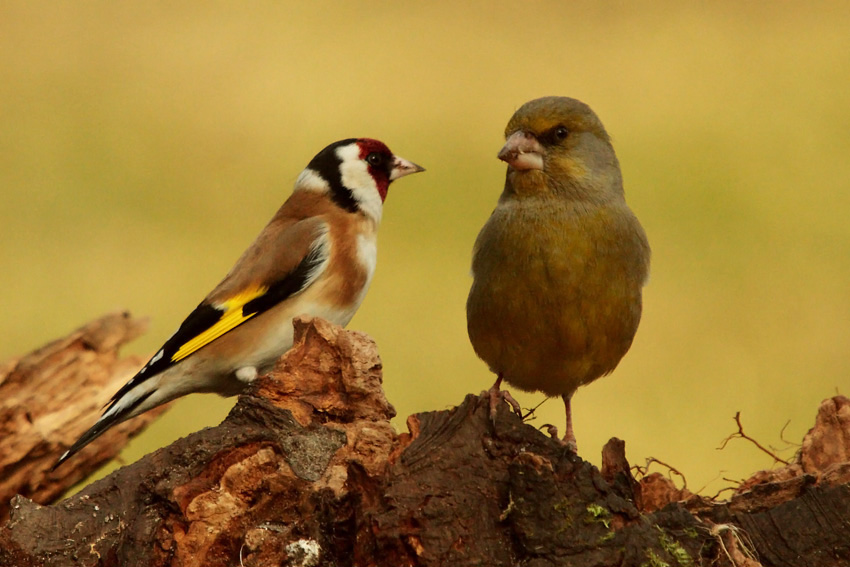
[
  {"x": 561, "y": 133},
  {"x": 375, "y": 159}
]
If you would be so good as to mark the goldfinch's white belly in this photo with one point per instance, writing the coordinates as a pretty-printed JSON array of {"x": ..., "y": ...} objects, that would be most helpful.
[
  {"x": 320, "y": 299},
  {"x": 278, "y": 338}
]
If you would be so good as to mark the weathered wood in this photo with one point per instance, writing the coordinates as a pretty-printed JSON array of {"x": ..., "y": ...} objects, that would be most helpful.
[
  {"x": 306, "y": 470},
  {"x": 50, "y": 397},
  {"x": 799, "y": 515}
]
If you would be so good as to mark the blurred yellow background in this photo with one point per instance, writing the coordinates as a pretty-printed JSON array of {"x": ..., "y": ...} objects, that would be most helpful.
[{"x": 143, "y": 145}]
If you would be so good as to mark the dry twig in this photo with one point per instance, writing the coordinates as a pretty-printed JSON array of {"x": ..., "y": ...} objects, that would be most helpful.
[
  {"x": 642, "y": 471},
  {"x": 740, "y": 434},
  {"x": 530, "y": 414}
]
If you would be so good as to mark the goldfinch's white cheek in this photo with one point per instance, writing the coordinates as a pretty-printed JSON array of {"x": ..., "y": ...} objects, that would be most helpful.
[{"x": 354, "y": 174}]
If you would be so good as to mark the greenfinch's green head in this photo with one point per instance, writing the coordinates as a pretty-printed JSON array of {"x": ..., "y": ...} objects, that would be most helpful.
[{"x": 558, "y": 146}]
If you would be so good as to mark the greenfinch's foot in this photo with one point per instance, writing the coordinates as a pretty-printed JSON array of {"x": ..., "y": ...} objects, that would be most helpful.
[
  {"x": 496, "y": 395},
  {"x": 569, "y": 444},
  {"x": 569, "y": 437}
]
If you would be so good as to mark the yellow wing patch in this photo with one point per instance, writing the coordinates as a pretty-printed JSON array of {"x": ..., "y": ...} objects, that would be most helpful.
[{"x": 231, "y": 317}]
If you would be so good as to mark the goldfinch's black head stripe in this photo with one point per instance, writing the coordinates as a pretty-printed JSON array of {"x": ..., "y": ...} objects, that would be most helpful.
[{"x": 326, "y": 164}]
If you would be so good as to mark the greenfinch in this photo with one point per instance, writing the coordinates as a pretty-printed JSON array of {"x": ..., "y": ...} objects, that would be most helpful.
[{"x": 559, "y": 266}]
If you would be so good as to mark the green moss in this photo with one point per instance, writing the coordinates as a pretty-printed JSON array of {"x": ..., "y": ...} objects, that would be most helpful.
[
  {"x": 671, "y": 546},
  {"x": 562, "y": 506},
  {"x": 598, "y": 514},
  {"x": 691, "y": 532},
  {"x": 565, "y": 526},
  {"x": 654, "y": 560}
]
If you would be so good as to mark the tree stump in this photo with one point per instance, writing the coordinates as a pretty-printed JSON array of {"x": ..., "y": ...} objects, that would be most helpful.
[{"x": 307, "y": 470}]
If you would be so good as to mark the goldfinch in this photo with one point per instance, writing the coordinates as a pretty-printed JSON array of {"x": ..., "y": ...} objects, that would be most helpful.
[
  {"x": 559, "y": 266},
  {"x": 315, "y": 257}
]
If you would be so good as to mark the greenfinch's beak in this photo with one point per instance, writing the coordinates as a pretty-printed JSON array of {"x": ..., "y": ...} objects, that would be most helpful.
[
  {"x": 402, "y": 167},
  {"x": 522, "y": 151}
]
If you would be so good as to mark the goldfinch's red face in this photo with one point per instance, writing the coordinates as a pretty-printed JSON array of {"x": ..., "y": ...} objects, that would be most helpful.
[{"x": 356, "y": 173}]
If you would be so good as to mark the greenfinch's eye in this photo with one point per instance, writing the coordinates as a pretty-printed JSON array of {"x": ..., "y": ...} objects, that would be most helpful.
[
  {"x": 561, "y": 133},
  {"x": 375, "y": 159}
]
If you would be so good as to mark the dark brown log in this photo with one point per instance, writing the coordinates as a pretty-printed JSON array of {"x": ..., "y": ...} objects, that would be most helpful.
[
  {"x": 51, "y": 396},
  {"x": 306, "y": 470}
]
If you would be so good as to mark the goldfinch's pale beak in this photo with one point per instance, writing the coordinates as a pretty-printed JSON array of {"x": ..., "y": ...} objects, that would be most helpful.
[
  {"x": 522, "y": 151},
  {"x": 402, "y": 167}
]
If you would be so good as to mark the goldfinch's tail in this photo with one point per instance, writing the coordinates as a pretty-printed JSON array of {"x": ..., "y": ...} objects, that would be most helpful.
[{"x": 144, "y": 396}]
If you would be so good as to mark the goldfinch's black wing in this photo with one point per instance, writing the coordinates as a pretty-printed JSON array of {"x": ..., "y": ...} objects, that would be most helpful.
[
  {"x": 283, "y": 261},
  {"x": 278, "y": 265}
]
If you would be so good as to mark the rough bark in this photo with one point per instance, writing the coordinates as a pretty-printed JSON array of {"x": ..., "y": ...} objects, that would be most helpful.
[
  {"x": 50, "y": 397},
  {"x": 306, "y": 470}
]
